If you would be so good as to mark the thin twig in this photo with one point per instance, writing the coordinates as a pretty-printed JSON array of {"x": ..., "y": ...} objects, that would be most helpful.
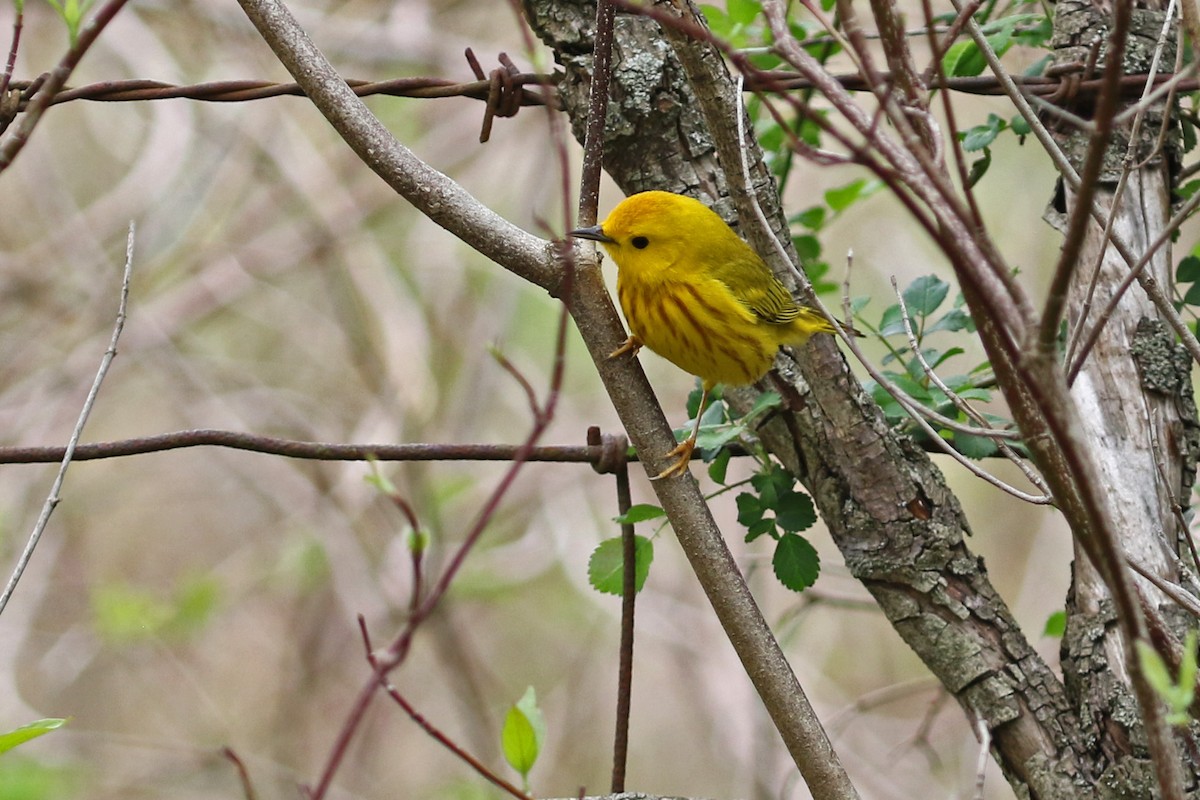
[
  {"x": 10, "y": 64},
  {"x": 57, "y": 78},
  {"x": 984, "y": 734},
  {"x": 593, "y": 147},
  {"x": 53, "y": 498},
  {"x": 427, "y": 726},
  {"x": 243, "y": 774},
  {"x": 961, "y": 404},
  {"x": 1185, "y": 599}
]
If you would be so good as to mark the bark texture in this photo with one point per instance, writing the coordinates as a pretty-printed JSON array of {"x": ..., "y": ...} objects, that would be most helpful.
[
  {"x": 1134, "y": 396},
  {"x": 898, "y": 526}
]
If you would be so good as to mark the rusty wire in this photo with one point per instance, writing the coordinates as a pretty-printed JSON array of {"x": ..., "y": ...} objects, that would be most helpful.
[{"x": 504, "y": 91}]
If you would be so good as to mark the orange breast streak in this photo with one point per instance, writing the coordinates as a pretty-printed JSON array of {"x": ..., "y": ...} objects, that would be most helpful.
[{"x": 699, "y": 326}]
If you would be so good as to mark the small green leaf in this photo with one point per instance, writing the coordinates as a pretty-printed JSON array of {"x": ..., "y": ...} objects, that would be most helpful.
[
  {"x": 964, "y": 59},
  {"x": 843, "y": 197},
  {"x": 606, "y": 567},
  {"x": 1056, "y": 625},
  {"x": 123, "y": 613},
  {"x": 762, "y": 404},
  {"x": 529, "y": 707},
  {"x": 1192, "y": 297},
  {"x": 974, "y": 447},
  {"x": 953, "y": 320},
  {"x": 1188, "y": 270},
  {"x": 519, "y": 742},
  {"x": 1154, "y": 669},
  {"x": 795, "y": 512},
  {"x": 981, "y": 136},
  {"x": 720, "y": 466},
  {"x": 796, "y": 563},
  {"x": 808, "y": 247},
  {"x": 925, "y": 294},
  {"x": 718, "y": 21},
  {"x": 743, "y": 12},
  {"x": 640, "y": 512},
  {"x": 759, "y": 528},
  {"x": 812, "y": 218},
  {"x": 892, "y": 321},
  {"x": 979, "y": 168},
  {"x": 1187, "y": 668},
  {"x": 19, "y": 736},
  {"x": 750, "y": 509}
]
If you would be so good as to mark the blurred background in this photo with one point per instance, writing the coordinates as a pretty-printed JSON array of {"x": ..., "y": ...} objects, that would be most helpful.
[{"x": 182, "y": 602}]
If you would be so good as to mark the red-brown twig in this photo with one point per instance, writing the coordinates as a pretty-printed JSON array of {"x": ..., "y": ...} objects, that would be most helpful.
[
  {"x": 427, "y": 726},
  {"x": 57, "y": 78}
]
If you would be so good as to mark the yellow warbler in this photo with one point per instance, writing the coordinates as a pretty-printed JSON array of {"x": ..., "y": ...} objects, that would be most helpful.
[{"x": 696, "y": 294}]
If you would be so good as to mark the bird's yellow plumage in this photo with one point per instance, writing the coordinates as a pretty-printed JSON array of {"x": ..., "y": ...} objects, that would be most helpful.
[{"x": 696, "y": 294}]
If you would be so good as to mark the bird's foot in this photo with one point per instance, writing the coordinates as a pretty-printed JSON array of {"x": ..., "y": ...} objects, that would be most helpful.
[
  {"x": 630, "y": 345},
  {"x": 684, "y": 451}
]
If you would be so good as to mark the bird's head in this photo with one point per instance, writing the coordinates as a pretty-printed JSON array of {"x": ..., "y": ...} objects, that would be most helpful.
[{"x": 654, "y": 230}]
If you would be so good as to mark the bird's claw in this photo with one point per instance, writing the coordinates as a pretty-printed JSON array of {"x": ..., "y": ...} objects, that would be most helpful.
[
  {"x": 684, "y": 451},
  {"x": 630, "y": 345}
]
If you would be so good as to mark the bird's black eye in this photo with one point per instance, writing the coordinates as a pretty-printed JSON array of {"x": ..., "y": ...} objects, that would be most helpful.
[{"x": 640, "y": 242}]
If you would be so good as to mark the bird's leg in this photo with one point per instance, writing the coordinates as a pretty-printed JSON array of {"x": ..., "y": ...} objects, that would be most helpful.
[
  {"x": 684, "y": 449},
  {"x": 630, "y": 345}
]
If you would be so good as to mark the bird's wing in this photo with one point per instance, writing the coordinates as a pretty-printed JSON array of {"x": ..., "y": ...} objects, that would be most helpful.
[{"x": 753, "y": 284}]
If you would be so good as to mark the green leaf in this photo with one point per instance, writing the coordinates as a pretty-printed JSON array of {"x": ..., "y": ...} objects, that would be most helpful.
[
  {"x": 974, "y": 447},
  {"x": 720, "y": 466},
  {"x": 892, "y": 321},
  {"x": 1192, "y": 297},
  {"x": 33, "y": 730},
  {"x": 808, "y": 247},
  {"x": 1020, "y": 126},
  {"x": 924, "y": 295},
  {"x": 640, "y": 512},
  {"x": 795, "y": 512},
  {"x": 796, "y": 563},
  {"x": 979, "y": 168},
  {"x": 1056, "y": 625},
  {"x": 606, "y": 567},
  {"x": 718, "y": 21},
  {"x": 1187, "y": 667},
  {"x": 1188, "y": 270},
  {"x": 843, "y": 197},
  {"x": 1034, "y": 36},
  {"x": 743, "y": 12},
  {"x": 953, "y": 320},
  {"x": 519, "y": 741},
  {"x": 812, "y": 218},
  {"x": 981, "y": 136},
  {"x": 196, "y": 601},
  {"x": 964, "y": 59},
  {"x": 529, "y": 707},
  {"x": 935, "y": 358},
  {"x": 123, "y": 613},
  {"x": 750, "y": 509},
  {"x": 762, "y": 404},
  {"x": 1154, "y": 669},
  {"x": 759, "y": 528}
]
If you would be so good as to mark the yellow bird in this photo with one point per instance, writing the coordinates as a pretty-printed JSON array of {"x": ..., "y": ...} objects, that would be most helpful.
[{"x": 696, "y": 294}]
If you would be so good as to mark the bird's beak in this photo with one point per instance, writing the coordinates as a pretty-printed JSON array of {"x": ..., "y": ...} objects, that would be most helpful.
[{"x": 595, "y": 233}]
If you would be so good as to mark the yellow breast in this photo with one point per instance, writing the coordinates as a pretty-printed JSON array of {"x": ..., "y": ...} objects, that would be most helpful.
[{"x": 699, "y": 326}]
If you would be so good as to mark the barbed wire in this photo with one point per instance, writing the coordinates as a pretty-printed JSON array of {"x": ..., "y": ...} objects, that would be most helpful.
[{"x": 505, "y": 91}]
